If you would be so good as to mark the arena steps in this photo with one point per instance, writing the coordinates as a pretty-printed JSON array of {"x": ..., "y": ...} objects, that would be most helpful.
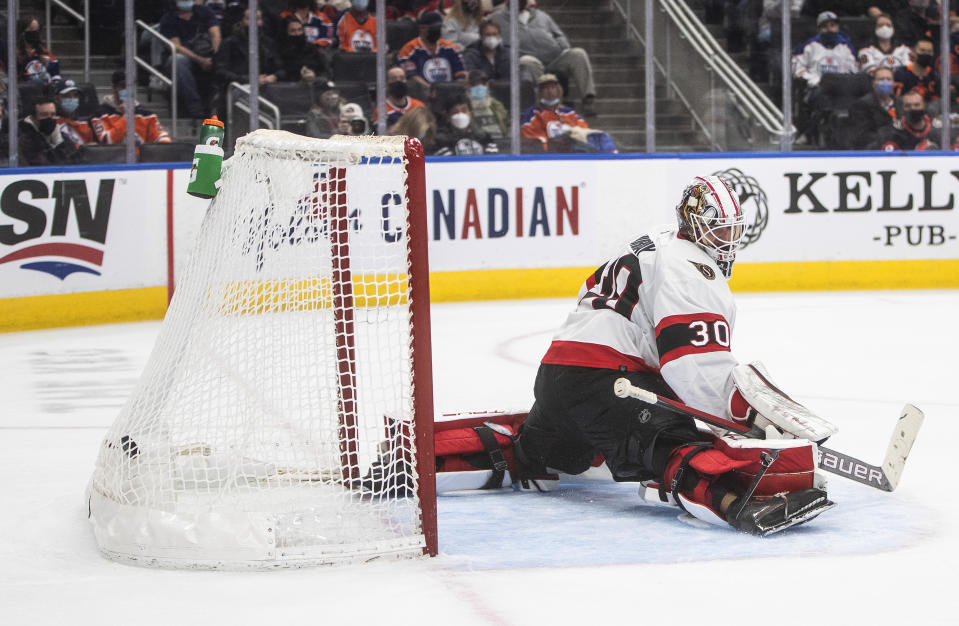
[{"x": 620, "y": 76}]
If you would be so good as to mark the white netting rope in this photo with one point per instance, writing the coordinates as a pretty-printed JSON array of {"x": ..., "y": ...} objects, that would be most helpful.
[{"x": 273, "y": 422}]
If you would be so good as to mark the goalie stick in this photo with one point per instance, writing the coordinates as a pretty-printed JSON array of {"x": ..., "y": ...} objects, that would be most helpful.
[{"x": 884, "y": 476}]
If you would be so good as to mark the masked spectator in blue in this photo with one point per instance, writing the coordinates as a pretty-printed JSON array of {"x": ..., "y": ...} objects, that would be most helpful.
[{"x": 35, "y": 62}]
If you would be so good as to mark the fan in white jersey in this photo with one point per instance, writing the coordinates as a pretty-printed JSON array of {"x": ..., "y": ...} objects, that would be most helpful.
[
  {"x": 883, "y": 50},
  {"x": 830, "y": 51},
  {"x": 660, "y": 314}
]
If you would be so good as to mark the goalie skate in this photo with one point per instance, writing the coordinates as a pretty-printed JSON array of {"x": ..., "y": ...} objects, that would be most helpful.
[{"x": 765, "y": 516}]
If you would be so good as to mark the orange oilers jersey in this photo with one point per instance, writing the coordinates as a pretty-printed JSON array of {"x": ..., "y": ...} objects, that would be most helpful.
[
  {"x": 394, "y": 113},
  {"x": 545, "y": 124},
  {"x": 79, "y": 130},
  {"x": 356, "y": 37},
  {"x": 111, "y": 127}
]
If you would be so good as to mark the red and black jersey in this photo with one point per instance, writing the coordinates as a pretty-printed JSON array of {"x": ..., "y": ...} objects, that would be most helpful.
[{"x": 662, "y": 306}]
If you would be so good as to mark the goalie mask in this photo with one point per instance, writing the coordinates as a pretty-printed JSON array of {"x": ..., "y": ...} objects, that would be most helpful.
[{"x": 710, "y": 216}]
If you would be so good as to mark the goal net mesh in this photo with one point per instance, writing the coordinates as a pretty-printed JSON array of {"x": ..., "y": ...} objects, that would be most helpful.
[{"x": 273, "y": 423}]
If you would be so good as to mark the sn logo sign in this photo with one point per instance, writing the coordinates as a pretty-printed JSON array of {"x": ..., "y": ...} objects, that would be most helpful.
[{"x": 22, "y": 221}]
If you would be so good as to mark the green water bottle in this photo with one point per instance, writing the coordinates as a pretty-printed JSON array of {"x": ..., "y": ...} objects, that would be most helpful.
[{"x": 207, "y": 160}]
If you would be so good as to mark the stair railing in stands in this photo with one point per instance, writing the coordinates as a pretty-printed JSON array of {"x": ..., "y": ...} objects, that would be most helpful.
[
  {"x": 723, "y": 102},
  {"x": 84, "y": 21},
  {"x": 157, "y": 39},
  {"x": 271, "y": 120}
]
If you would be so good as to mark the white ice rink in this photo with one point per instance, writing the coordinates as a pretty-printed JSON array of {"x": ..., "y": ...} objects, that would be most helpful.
[{"x": 589, "y": 553}]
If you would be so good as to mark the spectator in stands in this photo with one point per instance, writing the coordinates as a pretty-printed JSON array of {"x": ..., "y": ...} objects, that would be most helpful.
[
  {"x": 194, "y": 31},
  {"x": 356, "y": 30},
  {"x": 299, "y": 59},
  {"x": 419, "y": 123},
  {"x": 35, "y": 63},
  {"x": 541, "y": 38},
  {"x": 492, "y": 57},
  {"x": 919, "y": 75},
  {"x": 352, "y": 120},
  {"x": 76, "y": 128},
  {"x": 883, "y": 51},
  {"x": 874, "y": 111},
  {"x": 462, "y": 23},
  {"x": 830, "y": 51},
  {"x": 323, "y": 118},
  {"x": 398, "y": 100},
  {"x": 489, "y": 114},
  {"x": 547, "y": 124},
  {"x": 41, "y": 139},
  {"x": 232, "y": 61},
  {"x": 317, "y": 26},
  {"x": 914, "y": 20},
  {"x": 911, "y": 131},
  {"x": 109, "y": 122},
  {"x": 429, "y": 58},
  {"x": 457, "y": 134},
  {"x": 4, "y": 134}
]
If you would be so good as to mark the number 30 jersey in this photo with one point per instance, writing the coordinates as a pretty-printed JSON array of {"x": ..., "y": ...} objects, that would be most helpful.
[{"x": 662, "y": 306}]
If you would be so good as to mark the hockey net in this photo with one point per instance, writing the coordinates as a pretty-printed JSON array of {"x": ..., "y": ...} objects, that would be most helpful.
[{"x": 278, "y": 420}]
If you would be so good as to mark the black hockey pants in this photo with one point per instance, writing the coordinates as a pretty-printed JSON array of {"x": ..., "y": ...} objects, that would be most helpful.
[{"x": 576, "y": 415}]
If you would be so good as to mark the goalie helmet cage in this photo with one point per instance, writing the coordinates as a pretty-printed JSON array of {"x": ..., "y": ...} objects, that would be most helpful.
[{"x": 284, "y": 417}]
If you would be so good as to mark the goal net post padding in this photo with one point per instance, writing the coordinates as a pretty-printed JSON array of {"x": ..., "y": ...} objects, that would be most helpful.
[{"x": 284, "y": 417}]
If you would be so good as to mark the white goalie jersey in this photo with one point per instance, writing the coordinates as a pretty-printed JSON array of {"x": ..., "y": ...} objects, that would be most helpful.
[{"x": 662, "y": 306}]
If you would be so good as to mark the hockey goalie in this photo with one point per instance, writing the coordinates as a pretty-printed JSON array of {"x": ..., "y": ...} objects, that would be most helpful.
[{"x": 662, "y": 316}]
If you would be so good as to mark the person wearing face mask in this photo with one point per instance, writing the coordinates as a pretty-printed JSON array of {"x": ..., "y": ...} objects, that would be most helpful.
[
  {"x": 323, "y": 118},
  {"x": 231, "y": 63},
  {"x": 547, "y": 125},
  {"x": 912, "y": 131},
  {"x": 491, "y": 56},
  {"x": 35, "y": 63},
  {"x": 195, "y": 33},
  {"x": 398, "y": 100},
  {"x": 546, "y": 44},
  {"x": 109, "y": 121},
  {"x": 41, "y": 138},
  {"x": 429, "y": 58},
  {"x": 919, "y": 75},
  {"x": 356, "y": 29},
  {"x": 883, "y": 51},
  {"x": 75, "y": 127},
  {"x": 489, "y": 114},
  {"x": 457, "y": 135},
  {"x": 829, "y": 51},
  {"x": 317, "y": 27},
  {"x": 462, "y": 23},
  {"x": 299, "y": 59},
  {"x": 873, "y": 111}
]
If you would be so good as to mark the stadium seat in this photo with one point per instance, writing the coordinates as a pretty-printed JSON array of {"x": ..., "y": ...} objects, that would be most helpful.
[
  {"x": 354, "y": 66},
  {"x": 101, "y": 153},
  {"x": 358, "y": 92},
  {"x": 89, "y": 101},
  {"x": 500, "y": 90},
  {"x": 398, "y": 32},
  {"x": 294, "y": 101},
  {"x": 173, "y": 152}
]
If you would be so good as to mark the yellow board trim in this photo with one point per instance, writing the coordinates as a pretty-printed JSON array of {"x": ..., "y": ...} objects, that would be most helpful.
[
  {"x": 127, "y": 305},
  {"x": 80, "y": 309}
]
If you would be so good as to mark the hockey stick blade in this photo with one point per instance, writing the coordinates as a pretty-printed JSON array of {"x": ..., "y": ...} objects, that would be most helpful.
[{"x": 884, "y": 477}]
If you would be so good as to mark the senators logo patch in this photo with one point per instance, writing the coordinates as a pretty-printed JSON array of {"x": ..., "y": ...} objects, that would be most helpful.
[{"x": 705, "y": 270}]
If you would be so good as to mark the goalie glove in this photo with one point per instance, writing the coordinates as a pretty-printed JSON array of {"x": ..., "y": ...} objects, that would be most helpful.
[{"x": 756, "y": 401}]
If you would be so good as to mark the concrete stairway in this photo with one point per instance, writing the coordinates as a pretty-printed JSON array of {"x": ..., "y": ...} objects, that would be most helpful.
[{"x": 619, "y": 74}]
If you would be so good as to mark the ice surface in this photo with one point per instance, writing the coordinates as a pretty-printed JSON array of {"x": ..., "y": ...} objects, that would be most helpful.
[{"x": 588, "y": 552}]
